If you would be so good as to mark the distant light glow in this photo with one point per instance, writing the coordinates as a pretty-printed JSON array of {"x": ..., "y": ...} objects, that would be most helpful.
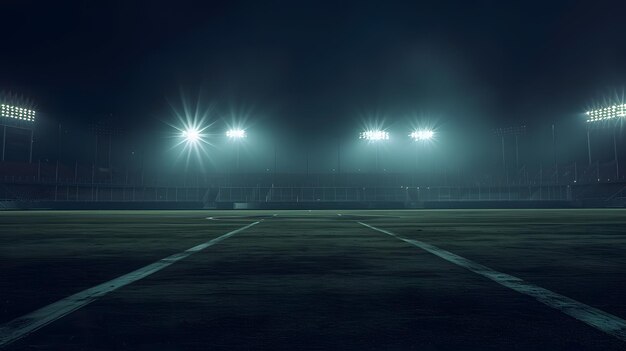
[
  {"x": 236, "y": 133},
  {"x": 374, "y": 135},
  {"x": 422, "y": 135},
  {"x": 191, "y": 135},
  {"x": 606, "y": 113},
  {"x": 18, "y": 113}
]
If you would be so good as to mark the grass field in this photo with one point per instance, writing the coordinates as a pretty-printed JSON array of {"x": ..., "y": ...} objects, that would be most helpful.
[{"x": 312, "y": 280}]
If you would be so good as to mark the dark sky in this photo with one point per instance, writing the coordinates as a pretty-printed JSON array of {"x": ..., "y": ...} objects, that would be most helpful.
[{"x": 313, "y": 66}]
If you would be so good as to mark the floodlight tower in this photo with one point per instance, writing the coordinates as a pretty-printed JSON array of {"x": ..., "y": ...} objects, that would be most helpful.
[
  {"x": 376, "y": 137},
  {"x": 603, "y": 117},
  {"x": 420, "y": 137},
  {"x": 12, "y": 116},
  {"x": 191, "y": 135},
  {"x": 237, "y": 135}
]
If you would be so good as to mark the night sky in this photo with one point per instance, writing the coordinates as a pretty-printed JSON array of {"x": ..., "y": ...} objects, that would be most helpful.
[{"x": 316, "y": 70}]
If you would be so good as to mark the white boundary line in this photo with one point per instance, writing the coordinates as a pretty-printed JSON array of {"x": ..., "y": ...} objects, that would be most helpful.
[
  {"x": 22, "y": 326},
  {"x": 594, "y": 317}
]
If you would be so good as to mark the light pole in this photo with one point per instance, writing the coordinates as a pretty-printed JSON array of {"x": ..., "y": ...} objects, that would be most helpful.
[
  {"x": 237, "y": 135},
  {"x": 602, "y": 117},
  {"x": 338, "y": 157},
  {"x": 615, "y": 154},
  {"x": 420, "y": 137},
  {"x": 193, "y": 139},
  {"x": 589, "y": 146},
  {"x": 4, "y": 140},
  {"x": 556, "y": 165},
  {"x": 17, "y": 117},
  {"x": 375, "y": 136}
]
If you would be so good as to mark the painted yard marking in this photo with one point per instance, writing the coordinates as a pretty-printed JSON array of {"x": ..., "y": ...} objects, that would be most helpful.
[
  {"x": 22, "y": 326},
  {"x": 592, "y": 316}
]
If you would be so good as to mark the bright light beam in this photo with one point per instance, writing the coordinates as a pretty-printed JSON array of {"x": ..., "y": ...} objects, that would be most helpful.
[
  {"x": 192, "y": 138},
  {"x": 192, "y": 131},
  {"x": 606, "y": 113},
  {"x": 374, "y": 135},
  {"x": 236, "y": 133},
  {"x": 422, "y": 135},
  {"x": 191, "y": 135},
  {"x": 16, "y": 112}
]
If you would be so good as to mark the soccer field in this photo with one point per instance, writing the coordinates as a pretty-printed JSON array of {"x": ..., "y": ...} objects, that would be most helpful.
[{"x": 249, "y": 280}]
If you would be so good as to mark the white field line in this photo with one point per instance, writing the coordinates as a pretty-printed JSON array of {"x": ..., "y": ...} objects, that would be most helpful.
[
  {"x": 22, "y": 326},
  {"x": 594, "y": 317}
]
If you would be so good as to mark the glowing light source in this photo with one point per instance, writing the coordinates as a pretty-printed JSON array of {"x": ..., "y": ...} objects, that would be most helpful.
[
  {"x": 374, "y": 135},
  {"x": 236, "y": 133},
  {"x": 191, "y": 135},
  {"x": 422, "y": 135},
  {"x": 606, "y": 113},
  {"x": 17, "y": 113}
]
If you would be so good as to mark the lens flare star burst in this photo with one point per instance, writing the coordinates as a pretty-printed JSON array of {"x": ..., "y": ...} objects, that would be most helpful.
[{"x": 191, "y": 134}]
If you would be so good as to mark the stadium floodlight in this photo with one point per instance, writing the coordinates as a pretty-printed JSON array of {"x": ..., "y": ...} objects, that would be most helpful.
[
  {"x": 422, "y": 135},
  {"x": 191, "y": 135},
  {"x": 374, "y": 135},
  {"x": 16, "y": 117},
  {"x": 17, "y": 113},
  {"x": 236, "y": 133},
  {"x": 606, "y": 113}
]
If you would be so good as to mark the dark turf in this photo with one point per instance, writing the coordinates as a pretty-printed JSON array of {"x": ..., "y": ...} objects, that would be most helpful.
[{"x": 314, "y": 280}]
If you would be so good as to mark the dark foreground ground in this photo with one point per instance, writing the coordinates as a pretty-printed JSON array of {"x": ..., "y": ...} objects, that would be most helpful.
[{"x": 314, "y": 280}]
